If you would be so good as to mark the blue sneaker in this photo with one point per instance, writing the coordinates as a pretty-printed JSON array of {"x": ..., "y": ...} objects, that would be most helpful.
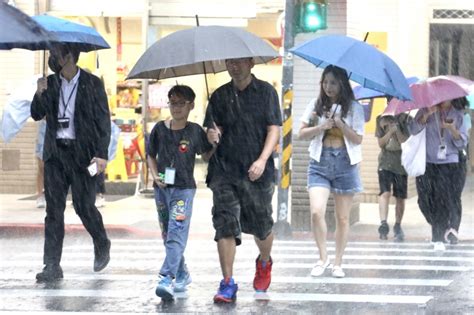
[
  {"x": 165, "y": 288},
  {"x": 182, "y": 281},
  {"x": 227, "y": 292}
]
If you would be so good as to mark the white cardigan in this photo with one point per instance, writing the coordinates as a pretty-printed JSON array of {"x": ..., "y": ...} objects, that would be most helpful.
[{"x": 355, "y": 119}]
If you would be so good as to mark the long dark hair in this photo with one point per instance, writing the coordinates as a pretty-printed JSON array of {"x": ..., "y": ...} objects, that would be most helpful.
[{"x": 346, "y": 95}]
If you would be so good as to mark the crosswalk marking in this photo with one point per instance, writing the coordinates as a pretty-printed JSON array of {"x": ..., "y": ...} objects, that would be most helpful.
[
  {"x": 246, "y": 240},
  {"x": 350, "y": 298},
  {"x": 247, "y": 279},
  {"x": 313, "y": 257},
  {"x": 238, "y": 265},
  {"x": 276, "y": 248},
  {"x": 400, "y": 270}
]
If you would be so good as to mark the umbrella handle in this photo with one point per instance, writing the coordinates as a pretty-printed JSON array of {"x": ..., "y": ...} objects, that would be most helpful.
[{"x": 44, "y": 64}]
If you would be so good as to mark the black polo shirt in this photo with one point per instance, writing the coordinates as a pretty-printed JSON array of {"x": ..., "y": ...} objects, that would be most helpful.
[{"x": 244, "y": 116}]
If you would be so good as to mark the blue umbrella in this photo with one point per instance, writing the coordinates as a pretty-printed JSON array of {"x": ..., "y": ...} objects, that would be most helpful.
[
  {"x": 361, "y": 92},
  {"x": 19, "y": 30},
  {"x": 364, "y": 63},
  {"x": 83, "y": 37}
]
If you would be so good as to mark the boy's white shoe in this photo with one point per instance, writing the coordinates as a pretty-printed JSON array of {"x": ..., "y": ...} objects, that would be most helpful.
[
  {"x": 40, "y": 202},
  {"x": 319, "y": 268}
]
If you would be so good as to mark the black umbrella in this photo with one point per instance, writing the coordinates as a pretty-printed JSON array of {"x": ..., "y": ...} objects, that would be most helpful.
[{"x": 19, "y": 30}]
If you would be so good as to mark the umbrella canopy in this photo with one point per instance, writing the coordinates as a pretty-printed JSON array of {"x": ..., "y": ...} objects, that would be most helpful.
[
  {"x": 364, "y": 63},
  {"x": 82, "y": 37},
  {"x": 19, "y": 30},
  {"x": 362, "y": 93},
  {"x": 201, "y": 49},
  {"x": 432, "y": 91}
]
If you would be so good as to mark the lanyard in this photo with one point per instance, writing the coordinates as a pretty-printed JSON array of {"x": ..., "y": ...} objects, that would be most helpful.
[
  {"x": 440, "y": 132},
  {"x": 65, "y": 105}
]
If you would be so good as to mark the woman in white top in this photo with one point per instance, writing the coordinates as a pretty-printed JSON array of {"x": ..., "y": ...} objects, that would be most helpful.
[{"x": 335, "y": 124}]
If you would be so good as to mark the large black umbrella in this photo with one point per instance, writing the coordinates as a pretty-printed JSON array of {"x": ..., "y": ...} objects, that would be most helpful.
[{"x": 19, "y": 30}]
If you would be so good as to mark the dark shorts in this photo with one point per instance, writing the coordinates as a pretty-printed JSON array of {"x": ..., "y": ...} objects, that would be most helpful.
[
  {"x": 241, "y": 206},
  {"x": 388, "y": 179}
]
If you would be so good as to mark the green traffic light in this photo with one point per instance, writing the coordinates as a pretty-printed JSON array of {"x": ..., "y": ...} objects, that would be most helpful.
[
  {"x": 312, "y": 22},
  {"x": 311, "y": 7},
  {"x": 311, "y": 16}
]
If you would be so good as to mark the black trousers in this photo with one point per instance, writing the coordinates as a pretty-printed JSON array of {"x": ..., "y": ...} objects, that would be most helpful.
[
  {"x": 60, "y": 173},
  {"x": 439, "y": 197},
  {"x": 100, "y": 183},
  {"x": 460, "y": 181}
]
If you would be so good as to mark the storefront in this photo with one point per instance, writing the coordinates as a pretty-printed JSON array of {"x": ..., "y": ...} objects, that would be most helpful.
[{"x": 130, "y": 27}]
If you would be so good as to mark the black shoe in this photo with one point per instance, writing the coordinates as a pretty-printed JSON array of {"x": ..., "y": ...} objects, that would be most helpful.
[
  {"x": 398, "y": 233},
  {"x": 50, "y": 273},
  {"x": 453, "y": 240},
  {"x": 102, "y": 256},
  {"x": 383, "y": 230}
]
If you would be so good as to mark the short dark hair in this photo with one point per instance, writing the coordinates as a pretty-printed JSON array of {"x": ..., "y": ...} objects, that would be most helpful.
[
  {"x": 184, "y": 91},
  {"x": 65, "y": 49},
  {"x": 460, "y": 103}
]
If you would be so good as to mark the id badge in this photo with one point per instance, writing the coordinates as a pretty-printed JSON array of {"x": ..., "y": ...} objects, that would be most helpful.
[
  {"x": 170, "y": 174},
  {"x": 442, "y": 150},
  {"x": 63, "y": 122}
]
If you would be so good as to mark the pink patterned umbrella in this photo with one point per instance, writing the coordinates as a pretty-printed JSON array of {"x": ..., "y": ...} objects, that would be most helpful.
[{"x": 430, "y": 92}]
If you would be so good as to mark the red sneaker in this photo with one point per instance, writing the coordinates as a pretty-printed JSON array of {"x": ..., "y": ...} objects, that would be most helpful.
[{"x": 263, "y": 275}]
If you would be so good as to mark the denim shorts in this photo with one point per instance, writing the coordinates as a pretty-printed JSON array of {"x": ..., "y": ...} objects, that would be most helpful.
[{"x": 335, "y": 172}]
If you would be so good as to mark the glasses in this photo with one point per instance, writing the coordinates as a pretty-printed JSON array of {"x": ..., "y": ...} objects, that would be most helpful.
[{"x": 178, "y": 104}]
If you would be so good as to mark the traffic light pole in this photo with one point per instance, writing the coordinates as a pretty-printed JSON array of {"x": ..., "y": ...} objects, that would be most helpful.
[{"x": 282, "y": 229}]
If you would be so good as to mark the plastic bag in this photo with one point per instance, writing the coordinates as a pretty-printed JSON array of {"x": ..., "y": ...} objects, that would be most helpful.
[{"x": 414, "y": 154}]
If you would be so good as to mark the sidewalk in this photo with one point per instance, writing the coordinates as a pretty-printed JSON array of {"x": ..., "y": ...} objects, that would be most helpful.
[{"x": 136, "y": 216}]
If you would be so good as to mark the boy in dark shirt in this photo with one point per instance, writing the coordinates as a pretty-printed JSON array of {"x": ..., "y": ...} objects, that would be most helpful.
[{"x": 172, "y": 150}]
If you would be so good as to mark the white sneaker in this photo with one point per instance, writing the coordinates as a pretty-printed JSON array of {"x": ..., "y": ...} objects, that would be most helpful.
[
  {"x": 439, "y": 246},
  {"x": 41, "y": 202},
  {"x": 337, "y": 272},
  {"x": 320, "y": 267},
  {"x": 99, "y": 201}
]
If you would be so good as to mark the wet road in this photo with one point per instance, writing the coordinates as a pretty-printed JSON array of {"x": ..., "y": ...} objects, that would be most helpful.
[{"x": 381, "y": 277}]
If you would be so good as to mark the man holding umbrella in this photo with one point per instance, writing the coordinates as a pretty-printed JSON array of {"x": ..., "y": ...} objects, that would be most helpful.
[
  {"x": 75, "y": 105},
  {"x": 243, "y": 117}
]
